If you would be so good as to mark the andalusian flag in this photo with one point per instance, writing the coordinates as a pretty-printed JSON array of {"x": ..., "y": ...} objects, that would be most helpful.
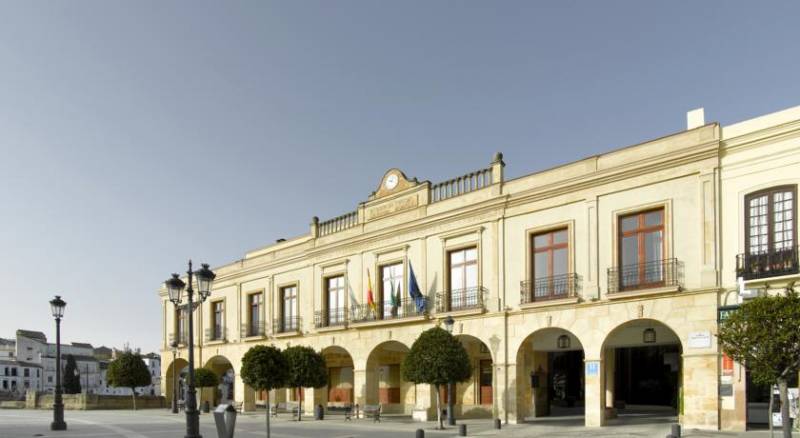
[{"x": 370, "y": 299}]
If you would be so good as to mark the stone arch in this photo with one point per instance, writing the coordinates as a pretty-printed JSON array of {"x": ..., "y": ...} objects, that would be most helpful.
[
  {"x": 224, "y": 392},
  {"x": 384, "y": 381},
  {"x": 340, "y": 390},
  {"x": 642, "y": 369},
  {"x": 180, "y": 367},
  {"x": 550, "y": 377},
  {"x": 476, "y": 397}
]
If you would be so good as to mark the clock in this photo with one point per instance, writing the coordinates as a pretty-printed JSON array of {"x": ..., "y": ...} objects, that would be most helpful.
[{"x": 391, "y": 182}]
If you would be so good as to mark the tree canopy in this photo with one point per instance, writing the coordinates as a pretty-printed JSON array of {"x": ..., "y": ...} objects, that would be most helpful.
[
  {"x": 72, "y": 378},
  {"x": 205, "y": 378},
  {"x": 437, "y": 358},
  {"x": 128, "y": 370},
  {"x": 264, "y": 368},
  {"x": 762, "y": 334},
  {"x": 307, "y": 369}
]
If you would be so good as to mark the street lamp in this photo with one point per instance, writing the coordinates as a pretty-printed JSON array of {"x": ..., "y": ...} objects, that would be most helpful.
[
  {"x": 174, "y": 346},
  {"x": 57, "y": 307},
  {"x": 175, "y": 287},
  {"x": 451, "y": 419}
]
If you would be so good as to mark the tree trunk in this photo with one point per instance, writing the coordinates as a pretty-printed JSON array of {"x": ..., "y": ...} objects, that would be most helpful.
[
  {"x": 133, "y": 394},
  {"x": 439, "y": 407},
  {"x": 268, "y": 408},
  {"x": 299, "y": 404},
  {"x": 769, "y": 414},
  {"x": 785, "y": 420}
]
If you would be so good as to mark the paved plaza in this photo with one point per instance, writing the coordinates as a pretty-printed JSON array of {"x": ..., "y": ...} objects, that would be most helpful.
[{"x": 162, "y": 424}]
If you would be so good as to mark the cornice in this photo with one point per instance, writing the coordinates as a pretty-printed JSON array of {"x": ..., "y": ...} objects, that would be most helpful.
[{"x": 761, "y": 136}]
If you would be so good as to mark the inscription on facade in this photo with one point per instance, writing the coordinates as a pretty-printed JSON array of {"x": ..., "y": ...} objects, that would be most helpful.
[{"x": 392, "y": 207}]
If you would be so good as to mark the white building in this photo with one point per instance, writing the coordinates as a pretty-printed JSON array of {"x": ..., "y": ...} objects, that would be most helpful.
[{"x": 153, "y": 362}]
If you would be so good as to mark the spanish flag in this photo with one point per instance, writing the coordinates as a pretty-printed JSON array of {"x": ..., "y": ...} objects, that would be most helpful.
[{"x": 370, "y": 299}]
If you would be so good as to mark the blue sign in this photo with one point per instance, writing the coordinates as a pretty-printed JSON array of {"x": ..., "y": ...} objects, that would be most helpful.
[{"x": 592, "y": 369}]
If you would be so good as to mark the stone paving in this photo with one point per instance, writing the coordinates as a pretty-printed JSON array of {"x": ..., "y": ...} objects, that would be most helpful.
[{"x": 162, "y": 424}]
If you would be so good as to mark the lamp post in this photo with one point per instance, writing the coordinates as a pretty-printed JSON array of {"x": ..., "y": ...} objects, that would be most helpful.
[
  {"x": 174, "y": 346},
  {"x": 57, "y": 307},
  {"x": 175, "y": 288},
  {"x": 451, "y": 419}
]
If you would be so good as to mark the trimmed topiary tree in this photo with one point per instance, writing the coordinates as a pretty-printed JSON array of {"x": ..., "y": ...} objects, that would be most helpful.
[
  {"x": 264, "y": 368},
  {"x": 128, "y": 370},
  {"x": 307, "y": 369},
  {"x": 763, "y": 335},
  {"x": 437, "y": 358},
  {"x": 72, "y": 378},
  {"x": 205, "y": 378}
]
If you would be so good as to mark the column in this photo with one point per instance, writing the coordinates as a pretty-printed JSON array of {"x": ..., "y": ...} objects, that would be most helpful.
[
  {"x": 505, "y": 400},
  {"x": 541, "y": 402},
  {"x": 700, "y": 390},
  {"x": 309, "y": 401},
  {"x": 424, "y": 403},
  {"x": 242, "y": 393},
  {"x": 594, "y": 392},
  {"x": 360, "y": 387},
  {"x": 609, "y": 376}
]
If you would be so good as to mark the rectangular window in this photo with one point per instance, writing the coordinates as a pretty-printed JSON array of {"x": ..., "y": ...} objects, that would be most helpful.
[
  {"x": 289, "y": 308},
  {"x": 254, "y": 306},
  {"x": 13, "y": 372},
  {"x": 464, "y": 288},
  {"x": 180, "y": 326},
  {"x": 26, "y": 372},
  {"x": 335, "y": 300},
  {"x": 770, "y": 220},
  {"x": 217, "y": 313},
  {"x": 390, "y": 293},
  {"x": 550, "y": 264},
  {"x": 641, "y": 249}
]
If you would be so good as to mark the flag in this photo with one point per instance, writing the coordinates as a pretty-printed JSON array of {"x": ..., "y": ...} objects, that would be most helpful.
[
  {"x": 393, "y": 299},
  {"x": 413, "y": 290},
  {"x": 370, "y": 299}
]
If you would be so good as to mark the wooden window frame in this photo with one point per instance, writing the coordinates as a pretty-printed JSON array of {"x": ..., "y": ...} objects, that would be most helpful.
[
  {"x": 640, "y": 231},
  {"x": 770, "y": 192},
  {"x": 217, "y": 336},
  {"x": 327, "y": 293},
  {"x": 381, "y": 293},
  {"x": 550, "y": 250},
  {"x": 282, "y": 300},
  {"x": 253, "y": 331}
]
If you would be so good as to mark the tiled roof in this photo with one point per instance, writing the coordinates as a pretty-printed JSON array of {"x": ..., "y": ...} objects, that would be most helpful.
[
  {"x": 82, "y": 345},
  {"x": 32, "y": 335}
]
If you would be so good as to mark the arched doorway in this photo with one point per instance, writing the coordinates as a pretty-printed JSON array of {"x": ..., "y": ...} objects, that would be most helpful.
[
  {"x": 475, "y": 397},
  {"x": 224, "y": 392},
  {"x": 643, "y": 372},
  {"x": 339, "y": 391},
  {"x": 176, "y": 378},
  {"x": 385, "y": 384},
  {"x": 550, "y": 379}
]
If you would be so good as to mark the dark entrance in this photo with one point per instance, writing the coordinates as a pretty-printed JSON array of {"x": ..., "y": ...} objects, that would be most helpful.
[
  {"x": 758, "y": 403},
  {"x": 647, "y": 376},
  {"x": 565, "y": 381}
]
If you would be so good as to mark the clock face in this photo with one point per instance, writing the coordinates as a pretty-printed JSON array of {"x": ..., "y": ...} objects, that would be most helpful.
[{"x": 391, "y": 182}]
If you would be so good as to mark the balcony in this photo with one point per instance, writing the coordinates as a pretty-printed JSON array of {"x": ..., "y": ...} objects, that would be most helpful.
[
  {"x": 772, "y": 263},
  {"x": 258, "y": 329},
  {"x": 216, "y": 335},
  {"x": 549, "y": 288},
  {"x": 657, "y": 274},
  {"x": 407, "y": 308},
  {"x": 286, "y": 325},
  {"x": 460, "y": 299},
  {"x": 330, "y": 318},
  {"x": 181, "y": 339}
]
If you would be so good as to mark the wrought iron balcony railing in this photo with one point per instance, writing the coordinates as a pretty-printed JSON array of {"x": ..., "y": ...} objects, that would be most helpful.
[
  {"x": 658, "y": 273},
  {"x": 768, "y": 264},
  {"x": 213, "y": 335},
  {"x": 180, "y": 338},
  {"x": 330, "y": 318},
  {"x": 549, "y": 288},
  {"x": 287, "y": 324},
  {"x": 460, "y": 299},
  {"x": 250, "y": 330},
  {"x": 407, "y": 308}
]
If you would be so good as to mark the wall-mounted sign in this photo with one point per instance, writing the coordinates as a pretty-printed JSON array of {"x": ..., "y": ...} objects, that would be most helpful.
[
  {"x": 592, "y": 369},
  {"x": 700, "y": 339},
  {"x": 725, "y": 390},
  {"x": 725, "y": 311}
]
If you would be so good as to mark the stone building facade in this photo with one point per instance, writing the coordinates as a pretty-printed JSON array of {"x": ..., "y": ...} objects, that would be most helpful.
[{"x": 592, "y": 288}]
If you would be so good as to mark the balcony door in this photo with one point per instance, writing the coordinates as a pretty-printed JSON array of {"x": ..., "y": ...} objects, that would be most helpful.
[
  {"x": 550, "y": 264},
  {"x": 641, "y": 249},
  {"x": 464, "y": 278},
  {"x": 770, "y": 220},
  {"x": 335, "y": 291},
  {"x": 289, "y": 308}
]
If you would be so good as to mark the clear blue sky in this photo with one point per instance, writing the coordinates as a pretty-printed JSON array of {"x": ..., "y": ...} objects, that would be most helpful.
[{"x": 135, "y": 135}]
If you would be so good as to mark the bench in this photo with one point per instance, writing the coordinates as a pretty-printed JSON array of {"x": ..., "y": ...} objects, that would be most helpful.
[
  {"x": 346, "y": 410},
  {"x": 373, "y": 411},
  {"x": 239, "y": 406},
  {"x": 284, "y": 408}
]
